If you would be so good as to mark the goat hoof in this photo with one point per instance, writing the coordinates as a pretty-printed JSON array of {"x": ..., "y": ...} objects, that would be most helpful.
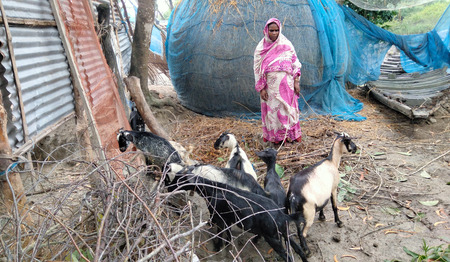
[
  {"x": 322, "y": 218},
  {"x": 308, "y": 253},
  {"x": 340, "y": 224}
]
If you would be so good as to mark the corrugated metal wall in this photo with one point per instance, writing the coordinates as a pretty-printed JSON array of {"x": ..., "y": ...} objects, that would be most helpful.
[
  {"x": 42, "y": 70},
  {"x": 31, "y": 9}
]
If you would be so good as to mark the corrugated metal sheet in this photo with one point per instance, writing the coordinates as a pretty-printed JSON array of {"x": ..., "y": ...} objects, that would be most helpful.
[
  {"x": 30, "y": 9},
  {"x": 97, "y": 79},
  {"x": 44, "y": 77},
  {"x": 125, "y": 48}
]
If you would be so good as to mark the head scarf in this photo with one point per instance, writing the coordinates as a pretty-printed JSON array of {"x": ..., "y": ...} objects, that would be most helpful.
[{"x": 273, "y": 56}]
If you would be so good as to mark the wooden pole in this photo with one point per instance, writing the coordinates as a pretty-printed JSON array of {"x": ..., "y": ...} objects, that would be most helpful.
[
  {"x": 11, "y": 187},
  {"x": 127, "y": 18},
  {"x": 15, "y": 73},
  {"x": 13, "y": 190},
  {"x": 103, "y": 11}
]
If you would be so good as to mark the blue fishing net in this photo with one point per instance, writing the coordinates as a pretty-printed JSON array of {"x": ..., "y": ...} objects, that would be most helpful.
[
  {"x": 209, "y": 50},
  {"x": 419, "y": 53}
]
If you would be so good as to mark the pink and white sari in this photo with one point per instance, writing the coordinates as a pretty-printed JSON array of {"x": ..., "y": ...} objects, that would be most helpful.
[{"x": 275, "y": 66}]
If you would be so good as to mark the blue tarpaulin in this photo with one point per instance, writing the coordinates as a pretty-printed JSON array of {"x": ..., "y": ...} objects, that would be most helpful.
[{"x": 209, "y": 50}]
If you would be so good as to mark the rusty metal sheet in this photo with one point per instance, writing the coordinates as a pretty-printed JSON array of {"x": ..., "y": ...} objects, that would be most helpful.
[{"x": 97, "y": 79}]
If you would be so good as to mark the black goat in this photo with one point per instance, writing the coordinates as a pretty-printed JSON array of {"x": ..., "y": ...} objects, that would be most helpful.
[
  {"x": 229, "y": 176},
  {"x": 272, "y": 183},
  {"x": 230, "y": 206},
  {"x": 158, "y": 151},
  {"x": 136, "y": 121},
  {"x": 311, "y": 188}
]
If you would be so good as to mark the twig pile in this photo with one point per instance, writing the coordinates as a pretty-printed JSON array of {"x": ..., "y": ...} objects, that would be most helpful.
[{"x": 115, "y": 220}]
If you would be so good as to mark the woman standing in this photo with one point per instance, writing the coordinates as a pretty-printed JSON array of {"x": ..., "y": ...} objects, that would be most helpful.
[{"x": 277, "y": 78}]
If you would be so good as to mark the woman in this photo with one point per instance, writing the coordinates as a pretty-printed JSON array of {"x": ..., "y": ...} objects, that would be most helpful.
[{"x": 277, "y": 78}]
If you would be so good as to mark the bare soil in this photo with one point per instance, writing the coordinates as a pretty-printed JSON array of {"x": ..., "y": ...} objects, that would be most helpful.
[{"x": 402, "y": 166}]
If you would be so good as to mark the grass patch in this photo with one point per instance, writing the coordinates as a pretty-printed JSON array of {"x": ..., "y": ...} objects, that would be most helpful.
[{"x": 417, "y": 20}]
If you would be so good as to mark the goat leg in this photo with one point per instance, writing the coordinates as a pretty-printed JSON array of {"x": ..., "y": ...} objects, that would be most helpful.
[
  {"x": 335, "y": 209},
  {"x": 277, "y": 245},
  {"x": 321, "y": 215},
  {"x": 220, "y": 231},
  {"x": 304, "y": 246},
  {"x": 298, "y": 249}
]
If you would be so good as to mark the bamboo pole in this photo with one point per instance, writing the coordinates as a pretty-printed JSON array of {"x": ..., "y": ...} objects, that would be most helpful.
[
  {"x": 11, "y": 186},
  {"x": 15, "y": 73},
  {"x": 16, "y": 188}
]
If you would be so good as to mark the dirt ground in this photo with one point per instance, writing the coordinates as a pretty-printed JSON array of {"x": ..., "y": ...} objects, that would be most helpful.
[
  {"x": 394, "y": 191},
  {"x": 393, "y": 183}
]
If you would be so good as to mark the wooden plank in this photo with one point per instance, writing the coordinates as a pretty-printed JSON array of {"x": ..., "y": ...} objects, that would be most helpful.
[
  {"x": 30, "y": 144},
  {"x": 29, "y": 22},
  {"x": 392, "y": 103}
]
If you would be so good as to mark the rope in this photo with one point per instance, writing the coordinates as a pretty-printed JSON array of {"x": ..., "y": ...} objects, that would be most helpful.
[{"x": 9, "y": 169}]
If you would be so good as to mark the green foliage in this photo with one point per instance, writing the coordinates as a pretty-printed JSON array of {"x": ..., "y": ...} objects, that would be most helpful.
[
  {"x": 417, "y": 20},
  {"x": 419, "y": 216},
  {"x": 391, "y": 210},
  {"x": 280, "y": 170},
  {"x": 346, "y": 190},
  {"x": 75, "y": 256},
  {"x": 437, "y": 253},
  {"x": 377, "y": 17}
]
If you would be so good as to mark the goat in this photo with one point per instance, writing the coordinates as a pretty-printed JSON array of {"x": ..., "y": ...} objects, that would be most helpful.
[
  {"x": 136, "y": 121},
  {"x": 311, "y": 188},
  {"x": 238, "y": 159},
  {"x": 158, "y": 151},
  {"x": 230, "y": 206},
  {"x": 184, "y": 154},
  {"x": 229, "y": 176},
  {"x": 272, "y": 183}
]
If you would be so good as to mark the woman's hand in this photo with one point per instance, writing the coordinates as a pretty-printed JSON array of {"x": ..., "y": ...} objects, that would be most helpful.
[
  {"x": 264, "y": 95},
  {"x": 297, "y": 87}
]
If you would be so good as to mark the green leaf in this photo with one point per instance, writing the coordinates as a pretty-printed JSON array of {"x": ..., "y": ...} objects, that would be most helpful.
[
  {"x": 405, "y": 153},
  {"x": 425, "y": 174},
  {"x": 280, "y": 170},
  {"x": 342, "y": 174},
  {"x": 392, "y": 210},
  {"x": 341, "y": 194},
  {"x": 379, "y": 153},
  {"x": 429, "y": 203},
  {"x": 220, "y": 159},
  {"x": 402, "y": 179},
  {"x": 409, "y": 252},
  {"x": 358, "y": 152},
  {"x": 351, "y": 190},
  {"x": 74, "y": 256},
  {"x": 348, "y": 168}
]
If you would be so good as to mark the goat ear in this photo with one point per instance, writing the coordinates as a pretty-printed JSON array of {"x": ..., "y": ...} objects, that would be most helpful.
[{"x": 128, "y": 136}]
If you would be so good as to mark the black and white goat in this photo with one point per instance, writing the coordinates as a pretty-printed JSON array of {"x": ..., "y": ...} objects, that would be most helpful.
[
  {"x": 157, "y": 150},
  {"x": 311, "y": 188},
  {"x": 229, "y": 176},
  {"x": 136, "y": 121},
  {"x": 238, "y": 159},
  {"x": 272, "y": 182},
  {"x": 230, "y": 206}
]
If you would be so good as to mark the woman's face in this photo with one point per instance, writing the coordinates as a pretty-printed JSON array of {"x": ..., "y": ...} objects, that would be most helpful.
[{"x": 273, "y": 31}]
